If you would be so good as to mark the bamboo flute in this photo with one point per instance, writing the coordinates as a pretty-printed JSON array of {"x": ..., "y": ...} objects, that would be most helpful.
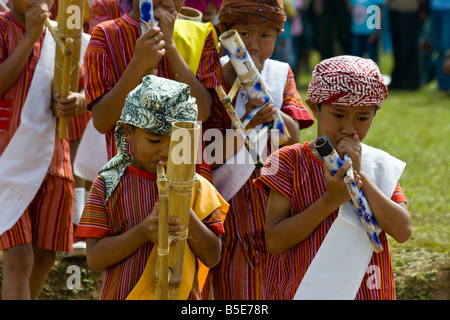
[
  {"x": 67, "y": 28},
  {"x": 180, "y": 173},
  {"x": 249, "y": 144},
  {"x": 162, "y": 271},
  {"x": 65, "y": 83}
]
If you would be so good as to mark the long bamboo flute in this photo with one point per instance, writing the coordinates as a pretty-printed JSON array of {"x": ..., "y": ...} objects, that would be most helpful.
[
  {"x": 162, "y": 276},
  {"x": 66, "y": 28},
  {"x": 55, "y": 34},
  {"x": 65, "y": 85},
  {"x": 226, "y": 101},
  {"x": 180, "y": 173}
]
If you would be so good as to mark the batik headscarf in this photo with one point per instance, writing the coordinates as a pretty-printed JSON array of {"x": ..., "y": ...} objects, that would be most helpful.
[
  {"x": 267, "y": 12},
  {"x": 153, "y": 105},
  {"x": 347, "y": 81}
]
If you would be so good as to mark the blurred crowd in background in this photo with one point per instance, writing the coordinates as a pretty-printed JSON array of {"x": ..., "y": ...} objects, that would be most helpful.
[{"x": 415, "y": 32}]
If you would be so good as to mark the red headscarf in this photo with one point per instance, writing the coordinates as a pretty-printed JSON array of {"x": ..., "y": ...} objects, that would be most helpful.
[
  {"x": 268, "y": 12},
  {"x": 347, "y": 81}
]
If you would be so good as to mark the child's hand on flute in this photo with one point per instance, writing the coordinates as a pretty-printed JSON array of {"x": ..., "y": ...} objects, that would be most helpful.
[
  {"x": 149, "y": 50},
  {"x": 265, "y": 115},
  {"x": 149, "y": 226},
  {"x": 336, "y": 191},
  {"x": 69, "y": 106},
  {"x": 34, "y": 20},
  {"x": 351, "y": 145}
]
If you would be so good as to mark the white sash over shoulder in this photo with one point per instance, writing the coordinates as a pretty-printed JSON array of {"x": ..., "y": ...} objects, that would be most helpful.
[
  {"x": 339, "y": 266},
  {"x": 26, "y": 159},
  {"x": 232, "y": 175}
]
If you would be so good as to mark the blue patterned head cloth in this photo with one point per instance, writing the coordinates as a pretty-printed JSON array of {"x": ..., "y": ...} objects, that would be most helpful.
[{"x": 153, "y": 105}]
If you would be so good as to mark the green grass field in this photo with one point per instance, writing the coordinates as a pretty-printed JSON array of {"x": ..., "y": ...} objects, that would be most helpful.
[{"x": 414, "y": 127}]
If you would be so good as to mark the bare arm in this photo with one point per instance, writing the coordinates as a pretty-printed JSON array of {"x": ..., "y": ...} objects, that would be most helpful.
[
  {"x": 106, "y": 111},
  {"x": 293, "y": 128},
  {"x": 284, "y": 231},
  {"x": 204, "y": 242},
  {"x": 14, "y": 64},
  {"x": 392, "y": 217},
  {"x": 180, "y": 69},
  {"x": 108, "y": 251}
]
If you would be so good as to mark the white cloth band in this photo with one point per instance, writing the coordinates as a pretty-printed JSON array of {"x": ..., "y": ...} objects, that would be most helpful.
[{"x": 341, "y": 262}]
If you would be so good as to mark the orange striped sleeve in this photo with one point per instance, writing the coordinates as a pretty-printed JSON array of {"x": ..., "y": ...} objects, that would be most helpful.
[
  {"x": 398, "y": 195},
  {"x": 278, "y": 172},
  {"x": 94, "y": 222},
  {"x": 293, "y": 105}
]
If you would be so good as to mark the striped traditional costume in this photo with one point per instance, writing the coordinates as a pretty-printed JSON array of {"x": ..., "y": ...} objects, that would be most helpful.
[
  {"x": 299, "y": 177},
  {"x": 310, "y": 269},
  {"x": 122, "y": 195},
  {"x": 112, "y": 47},
  {"x": 47, "y": 220}
]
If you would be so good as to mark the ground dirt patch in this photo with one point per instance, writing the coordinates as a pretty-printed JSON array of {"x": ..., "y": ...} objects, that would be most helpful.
[{"x": 420, "y": 275}]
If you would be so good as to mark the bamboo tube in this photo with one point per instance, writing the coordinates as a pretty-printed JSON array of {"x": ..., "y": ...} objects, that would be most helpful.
[
  {"x": 250, "y": 79},
  {"x": 162, "y": 271},
  {"x": 180, "y": 173},
  {"x": 192, "y": 14},
  {"x": 65, "y": 84},
  {"x": 69, "y": 25},
  {"x": 226, "y": 101},
  {"x": 55, "y": 35}
]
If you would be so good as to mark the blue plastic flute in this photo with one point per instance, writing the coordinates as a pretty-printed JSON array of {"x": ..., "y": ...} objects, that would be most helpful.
[{"x": 360, "y": 205}]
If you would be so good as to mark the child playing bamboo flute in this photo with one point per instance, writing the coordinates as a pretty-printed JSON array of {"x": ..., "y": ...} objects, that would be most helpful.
[
  {"x": 119, "y": 55},
  {"x": 240, "y": 273},
  {"x": 120, "y": 220},
  {"x": 317, "y": 248},
  {"x": 36, "y": 181}
]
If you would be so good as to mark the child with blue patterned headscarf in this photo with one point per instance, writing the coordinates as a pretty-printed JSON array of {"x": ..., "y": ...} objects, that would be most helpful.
[{"x": 120, "y": 219}]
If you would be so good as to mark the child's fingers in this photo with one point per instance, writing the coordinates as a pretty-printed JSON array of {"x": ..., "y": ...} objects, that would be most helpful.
[
  {"x": 357, "y": 179},
  {"x": 343, "y": 169}
]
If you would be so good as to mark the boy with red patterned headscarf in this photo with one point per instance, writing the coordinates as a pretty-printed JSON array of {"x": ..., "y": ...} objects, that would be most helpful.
[{"x": 318, "y": 249}]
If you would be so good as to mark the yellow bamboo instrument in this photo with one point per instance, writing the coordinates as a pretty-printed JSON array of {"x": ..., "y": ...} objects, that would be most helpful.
[
  {"x": 162, "y": 268},
  {"x": 189, "y": 13},
  {"x": 179, "y": 179},
  {"x": 249, "y": 143},
  {"x": 69, "y": 26}
]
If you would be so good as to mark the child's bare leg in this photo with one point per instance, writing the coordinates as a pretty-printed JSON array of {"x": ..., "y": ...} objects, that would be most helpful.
[
  {"x": 43, "y": 262},
  {"x": 17, "y": 266}
]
